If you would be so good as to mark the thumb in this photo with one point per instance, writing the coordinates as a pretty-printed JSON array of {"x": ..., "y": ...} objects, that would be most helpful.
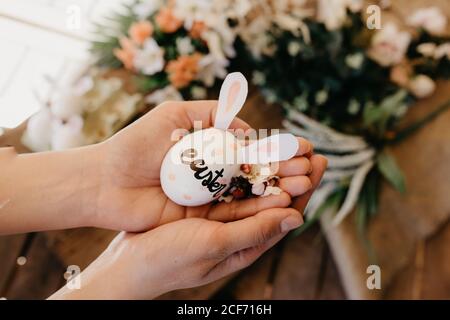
[{"x": 260, "y": 228}]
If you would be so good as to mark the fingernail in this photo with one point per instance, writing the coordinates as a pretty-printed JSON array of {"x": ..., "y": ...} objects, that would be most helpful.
[{"x": 290, "y": 223}]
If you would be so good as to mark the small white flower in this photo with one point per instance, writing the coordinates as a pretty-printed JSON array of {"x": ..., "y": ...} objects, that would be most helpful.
[
  {"x": 226, "y": 199},
  {"x": 258, "y": 189},
  {"x": 426, "y": 49},
  {"x": 355, "y": 5},
  {"x": 389, "y": 45},
  {"x": 211, "y": 68},
  {"x": 38, "y": 133},
  {"x": 430, "y": 19},
  {"x": 150, "y": 59},
  {"x": 258, "y": 78},
  {"x": 198, "y": 93},
  {"x": 83, "y": 85},
  {"x": 294, "y": 48},
  {"x": 332, "y": 13},
  {"x": 145, "y": 9},
  {"x": 442, "y": 51},
  {"x": 353, "y": 107},
  {"x": 321, "y": 97},
  {"x": 66, "y": 105},
  {"x": 68, "y": 134},
  {"x": 168, "y": 93},
  {"x": 355, "y": 60},
  {"x": 422, "y": 86},
  {"x": 271, "y": 190},
  {"x": 184, "y": 46}
]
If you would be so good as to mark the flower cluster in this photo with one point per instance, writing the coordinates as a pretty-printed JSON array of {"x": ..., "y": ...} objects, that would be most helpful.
[
  {"x": 252, "y": 180},
  {"x": 177, "y": 49},
  {"x": 342, "y": 72},
  {"x": 87, "y": 109}
]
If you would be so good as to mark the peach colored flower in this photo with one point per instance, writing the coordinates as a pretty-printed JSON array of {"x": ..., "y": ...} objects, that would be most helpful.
[
  {"x": 197, "y": 28},
  {"x": 140, "y": 31},
  {"x": 167, "y": 21},
  {"x": 400, "y": 74},
  {"x": 126, "y": 53},
  {"x": 183, "y": 70}
]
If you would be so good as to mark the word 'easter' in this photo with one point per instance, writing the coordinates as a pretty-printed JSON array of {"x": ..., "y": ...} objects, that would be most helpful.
[{"x": 201, "y": 172}]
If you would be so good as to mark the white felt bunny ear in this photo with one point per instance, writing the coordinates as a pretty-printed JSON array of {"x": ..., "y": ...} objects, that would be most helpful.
[
  {"x": 279, "y": 147},
  {"x": 231, "y": 99}
]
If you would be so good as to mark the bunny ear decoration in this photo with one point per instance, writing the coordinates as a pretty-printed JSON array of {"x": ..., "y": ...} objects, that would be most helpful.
[
  {"x": 275, "y": 148},
  {"x": 231, "y": 99}
]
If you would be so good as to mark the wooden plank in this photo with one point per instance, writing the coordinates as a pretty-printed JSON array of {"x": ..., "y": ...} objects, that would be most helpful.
[
  {"x": 41, "y": 274},
  {"x": 428, "y": 277},
  {"x": 10, "y": 247},
  {"x": 306, "y": 270}
]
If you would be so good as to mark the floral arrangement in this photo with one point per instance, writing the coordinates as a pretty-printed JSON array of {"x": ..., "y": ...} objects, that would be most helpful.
[
  {"x": 86, "y": 108},
  {"x": 344, "y": 84},
  {"x": 175, "y": 49}
]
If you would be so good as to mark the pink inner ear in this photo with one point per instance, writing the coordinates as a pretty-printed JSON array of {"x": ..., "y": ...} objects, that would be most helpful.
[
  {"x": 233, "y": 93},
  {"x": 268, "y": 148}
]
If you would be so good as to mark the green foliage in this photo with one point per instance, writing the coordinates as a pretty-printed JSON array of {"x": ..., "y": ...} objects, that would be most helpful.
[{"x": 391, "y": 172}]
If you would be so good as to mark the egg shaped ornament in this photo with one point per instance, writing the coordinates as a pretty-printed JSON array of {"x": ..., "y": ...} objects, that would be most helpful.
[{"x": 198, "y": 168}]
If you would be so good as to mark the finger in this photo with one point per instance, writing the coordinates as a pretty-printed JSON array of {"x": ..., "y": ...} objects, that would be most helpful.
[
  {"x": 304, "y": 147},
  {"x": 240, "y": 209},
  {"x": 242, "y": 259},
  {"x": 319, "y": 164},
  {"x": 294, "y": 167},
  {"x": 295, "y": 186},
  {"x": 258, "y": 229}
]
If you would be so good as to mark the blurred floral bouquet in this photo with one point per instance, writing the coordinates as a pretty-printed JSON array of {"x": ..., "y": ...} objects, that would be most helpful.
[
  {"x": 176, "y": 49},
  {"x": 344, "y": 84},
  {"x": 171, "y": 50}
]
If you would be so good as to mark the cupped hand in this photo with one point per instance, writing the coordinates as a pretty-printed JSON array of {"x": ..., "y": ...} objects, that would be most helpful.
[
  {"x": 129, "y": 195},
  {"x": 182, "y": 254}
]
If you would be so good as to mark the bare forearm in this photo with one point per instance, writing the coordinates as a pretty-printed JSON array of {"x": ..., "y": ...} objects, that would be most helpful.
[{"x": 46, "y": 191}]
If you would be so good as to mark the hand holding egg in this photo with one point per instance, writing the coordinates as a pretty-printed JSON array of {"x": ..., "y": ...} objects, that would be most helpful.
[{"x": 199, "y": 167}]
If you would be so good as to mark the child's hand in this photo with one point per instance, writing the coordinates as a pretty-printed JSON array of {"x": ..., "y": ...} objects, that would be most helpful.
[{"x": 186, "y": 253}]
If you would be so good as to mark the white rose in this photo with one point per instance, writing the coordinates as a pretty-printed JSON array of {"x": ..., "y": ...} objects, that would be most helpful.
[
  {"x": 212, "y": 67},
  {"x": 66, "y": 105},
  {"x": 332, "y": 13},
  {"x": 354, "y": 60},
  {"x": 145, "y": 9},
  {"x": 431, "y": 19},
  {"x": 38, "y": 132},
  {"x": 422, "y": 86},
  {"x": 150, "y": 59},
  {"x": 442, "y": 51},
  {"x": 389, "y": 45},
  {"x": 426, "y": 49},
  {"x": 168, "y": 93},
  {"x": 68, "y": 134}
]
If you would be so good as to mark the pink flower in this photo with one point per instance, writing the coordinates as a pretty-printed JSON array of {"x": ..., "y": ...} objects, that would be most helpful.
[
  {"x": 167, "y": 21},
  {"x": 126, "y": 53},
  {"x": 430, "y": 19},
  {"x": 422, "y": 86},
  {"x": 140, "y": 31},
  {"x": 389, "y": 45}
]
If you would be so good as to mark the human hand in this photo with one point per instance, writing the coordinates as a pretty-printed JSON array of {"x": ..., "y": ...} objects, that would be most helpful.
[
  {"x": 129, "y": 195},
  {"x": 182, "y": 254}
]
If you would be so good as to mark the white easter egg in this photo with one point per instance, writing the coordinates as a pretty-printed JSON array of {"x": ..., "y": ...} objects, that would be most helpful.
[{"x": 199, "y": 167}]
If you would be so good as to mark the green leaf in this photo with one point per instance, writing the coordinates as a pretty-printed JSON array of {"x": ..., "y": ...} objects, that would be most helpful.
[
  {"x": 390, "y": 171},
  {"x": 333, "y": 201}
]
